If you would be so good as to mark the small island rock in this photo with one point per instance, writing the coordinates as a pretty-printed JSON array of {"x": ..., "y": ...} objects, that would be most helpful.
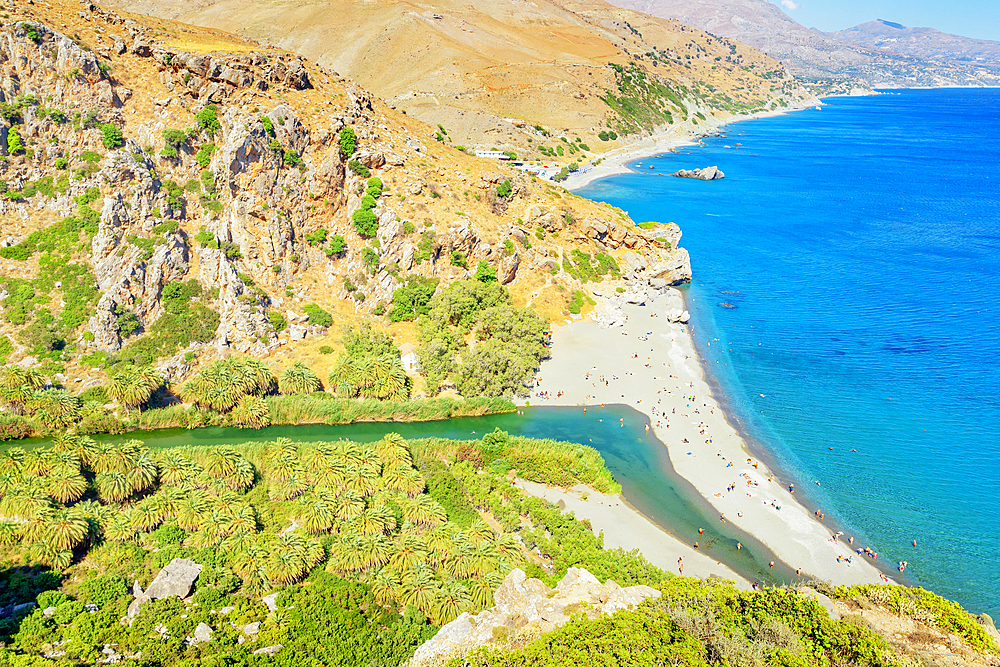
[{"x": 706, "y": 174}]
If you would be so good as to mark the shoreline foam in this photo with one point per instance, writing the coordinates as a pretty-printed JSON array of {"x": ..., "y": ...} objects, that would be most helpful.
[{"x": 650, "y": 364}]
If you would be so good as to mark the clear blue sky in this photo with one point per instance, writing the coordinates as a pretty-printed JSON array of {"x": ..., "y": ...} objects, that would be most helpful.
[{"x": 969, "y": 18}]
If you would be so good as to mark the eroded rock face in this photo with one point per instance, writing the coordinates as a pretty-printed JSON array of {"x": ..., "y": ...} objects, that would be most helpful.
[{"x": 527, "y": 606}]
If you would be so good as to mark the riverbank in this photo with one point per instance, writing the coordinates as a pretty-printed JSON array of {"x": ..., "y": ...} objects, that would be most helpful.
[
  {"x": 652, "y": 366},
  {"x": 673, "y": 137},
  {"x": 626, "y": 528}
]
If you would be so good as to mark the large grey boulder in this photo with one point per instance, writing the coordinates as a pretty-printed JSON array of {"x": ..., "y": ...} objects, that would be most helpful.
[
  {"x": 528, "y": 607},
  {"x": 176, "y": 579}
]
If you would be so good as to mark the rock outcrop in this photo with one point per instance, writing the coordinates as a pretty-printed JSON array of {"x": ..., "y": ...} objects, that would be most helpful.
[
  {"x": 526, "y": 607},
  {"x": 706, "y": 174},
  {"x": 175, "y": 580}
]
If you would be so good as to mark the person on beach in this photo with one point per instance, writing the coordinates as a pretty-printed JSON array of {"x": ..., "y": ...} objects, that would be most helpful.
[
  {"x": 739, "y": 546},
  {"x": 772, "y": 564}
]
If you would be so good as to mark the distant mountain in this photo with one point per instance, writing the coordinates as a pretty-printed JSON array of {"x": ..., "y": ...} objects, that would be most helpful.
[
  {"x": 920, "y": 42},
  {"x": 811, "y": 53}
]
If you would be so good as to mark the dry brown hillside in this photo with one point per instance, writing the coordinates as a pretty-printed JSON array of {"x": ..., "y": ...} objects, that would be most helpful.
[
  {"x": 155, "y": 153},
  {"x": 481, "y": 69}
]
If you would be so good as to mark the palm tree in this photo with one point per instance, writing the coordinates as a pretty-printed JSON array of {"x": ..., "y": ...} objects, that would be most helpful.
[
  {"x": 175, "y": 467},
  {"x": 113, "y": 486},
  {"x": 143, "y": 473},
  {"x": 412, "y": 483},
  {"x": 441, "y": 541},
  {"x": 66, "y": 484},
  {"x": 54, "y": 407},
  {"x": 410, "y": 550},
  {"x": 284, "y": 567},
  {"x": 46, "y": 553},
  {"x": 146, "y": 515},
  {"x": 315, "y": 514},
  {"x": 483, "y": 589},
  {"x": 79, "y": 446},
  {"x": 133, "y": 385},
  {"x": 392, "y": 449},
  {"x": 350, "y": 505},
  {"x": 343, "y": 377},
  {"x": 221, "y": 385},
  {"x": 423, "y": 510},
  {"x": 119, "y": 528},
  {"x": 386, "y": 587},
  {"x": 452, "y": 599},
  {"x": 420, "y": 590},
  {"x": 288, "y": 488},
  {"x": 10, "y": 533},
  {"x": 298, "y": 379},
  {"x": 191, "y": 510},
  {"x": 242, "y": 520},
  {"x": 38, "y": 462},
  {"x": 222, "y": 461},
  {"x": 17, "y": 384},
  {"x": 65, "y": 529},
  {"x": 13, "y": 460},
  {"x": 244, "y": 475},
  {"x": 251, "y": 412},
  {"x": 24, "y": 501}
]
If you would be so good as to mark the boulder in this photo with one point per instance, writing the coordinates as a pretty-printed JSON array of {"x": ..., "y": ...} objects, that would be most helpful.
[
  {"x": 269, "y": 601},
  {"x": 528, "y": 607},
  {"x": 268, "y": 650},
  {"x": 202, "y": 633},
  {"x": 175, "y": 580},
  {"x": 705, "y": 174}
]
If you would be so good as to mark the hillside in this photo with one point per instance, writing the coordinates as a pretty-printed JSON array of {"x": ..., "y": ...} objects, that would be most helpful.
[
  {"x": 173, "y": 195},
  {"x": 813, "y": 54},
  {"x": 490, "y": 72},
  {"x": 920, "y": 43}
]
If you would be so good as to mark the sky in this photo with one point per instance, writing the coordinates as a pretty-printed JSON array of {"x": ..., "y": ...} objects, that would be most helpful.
[{"x": 969, "y": 18}]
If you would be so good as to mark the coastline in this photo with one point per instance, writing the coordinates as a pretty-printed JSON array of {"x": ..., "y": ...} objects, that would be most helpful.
[
  {"x": 653, "y": 366},
  {"x": 615, "y": 162},
  {"x": 625, "y": 527}
]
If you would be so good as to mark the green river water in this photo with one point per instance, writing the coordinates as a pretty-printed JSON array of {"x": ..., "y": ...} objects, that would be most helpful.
[{"x": 638, "y": 460}]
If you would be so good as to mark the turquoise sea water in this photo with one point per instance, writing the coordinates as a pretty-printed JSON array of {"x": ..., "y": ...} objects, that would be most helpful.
[{"x": 861, "y": 246}]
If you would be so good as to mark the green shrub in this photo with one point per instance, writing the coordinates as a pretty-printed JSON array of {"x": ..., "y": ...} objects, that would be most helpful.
[
  {"x": 317, "y": 315},
  {"x": 365, "y": 222},
  {"x": 111, "y": 136},
  {"x": 337, "y": 245},
  {"x": 348, "y": 141},
  {"x": 504, "y": 189},
  {"x": 277, "y": 320},
  {"x": 14, "y": 145},
  {"x": 61, "y": 163},
  {"x": 208, "y": 119},
  {"x": 359, "y": 169},
  {"x": 317, "y": 237},
  {"x": 204, "y": 155}
]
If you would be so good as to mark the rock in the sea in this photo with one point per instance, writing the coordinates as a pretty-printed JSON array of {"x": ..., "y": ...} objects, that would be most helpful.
[
  {"x": 174, "y": 580},
  {"x": 528, "y": 607},
  {"x": 706, "y": 174}
]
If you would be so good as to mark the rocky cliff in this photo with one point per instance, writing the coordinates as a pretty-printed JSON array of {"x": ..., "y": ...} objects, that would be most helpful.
[
  {"x": 526, "y": 609},
  {"x": 176, "y": 154}
]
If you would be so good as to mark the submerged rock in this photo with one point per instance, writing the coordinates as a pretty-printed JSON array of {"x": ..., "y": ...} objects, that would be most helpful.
[{"x": 706, "y": 174}]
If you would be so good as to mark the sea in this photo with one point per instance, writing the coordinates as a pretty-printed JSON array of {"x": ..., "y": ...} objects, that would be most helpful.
[{"x": 845, "y": 303}]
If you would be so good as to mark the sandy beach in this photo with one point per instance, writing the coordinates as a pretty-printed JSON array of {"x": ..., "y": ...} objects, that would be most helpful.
[
  {"x": 626, "y": 528},
  {"x": 652, "y": 366},
  {"x": 675, "y": 136}
]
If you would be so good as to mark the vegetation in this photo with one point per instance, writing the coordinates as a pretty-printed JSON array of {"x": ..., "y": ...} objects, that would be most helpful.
[
  {"x": 370, "y": 367},
  {"x": 317, "y": 315},
  {"x": 298, "y": 379},
  {"x": 348, "y": 142},
  {"x": 506, "y": 347},
  {"x": 642, "y": 102},
  {"x": 410, "y": 300}
]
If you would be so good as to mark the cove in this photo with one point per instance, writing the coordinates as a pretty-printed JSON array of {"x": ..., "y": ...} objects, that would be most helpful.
[{"x": 638, "y": 460}]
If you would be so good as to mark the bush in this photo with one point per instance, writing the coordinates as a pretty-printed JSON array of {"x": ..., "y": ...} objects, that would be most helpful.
[
  {"x": 61, "y": 163},
  {"x": 208, "y": 119},
  {"x": 410, "y": 300},
  {"x": 485, "y": 273},
  {"x": 365, "y": 222},
  {"x": 504, "y": 189},
  {"x": 317, "y": 315},
  {"x": 111, "y": 136},
  {"x": 277, "y": 320},
  {"x": 103, "y": 589},
  {"x": 204, "y": 155},
  {"x": 337, "y": 245},
  {"x": 458, "y": 259},
  {"x": 348, "y": 141},
  {"x": 317, "y": 237},
  {"x": 176, "y": 296},
  {"x": 14, "y": 145},
  {"x": 359, "y": 169}
]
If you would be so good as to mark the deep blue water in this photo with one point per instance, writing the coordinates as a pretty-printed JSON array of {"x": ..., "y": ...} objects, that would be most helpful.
[{"x": 861, "y": 246}]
